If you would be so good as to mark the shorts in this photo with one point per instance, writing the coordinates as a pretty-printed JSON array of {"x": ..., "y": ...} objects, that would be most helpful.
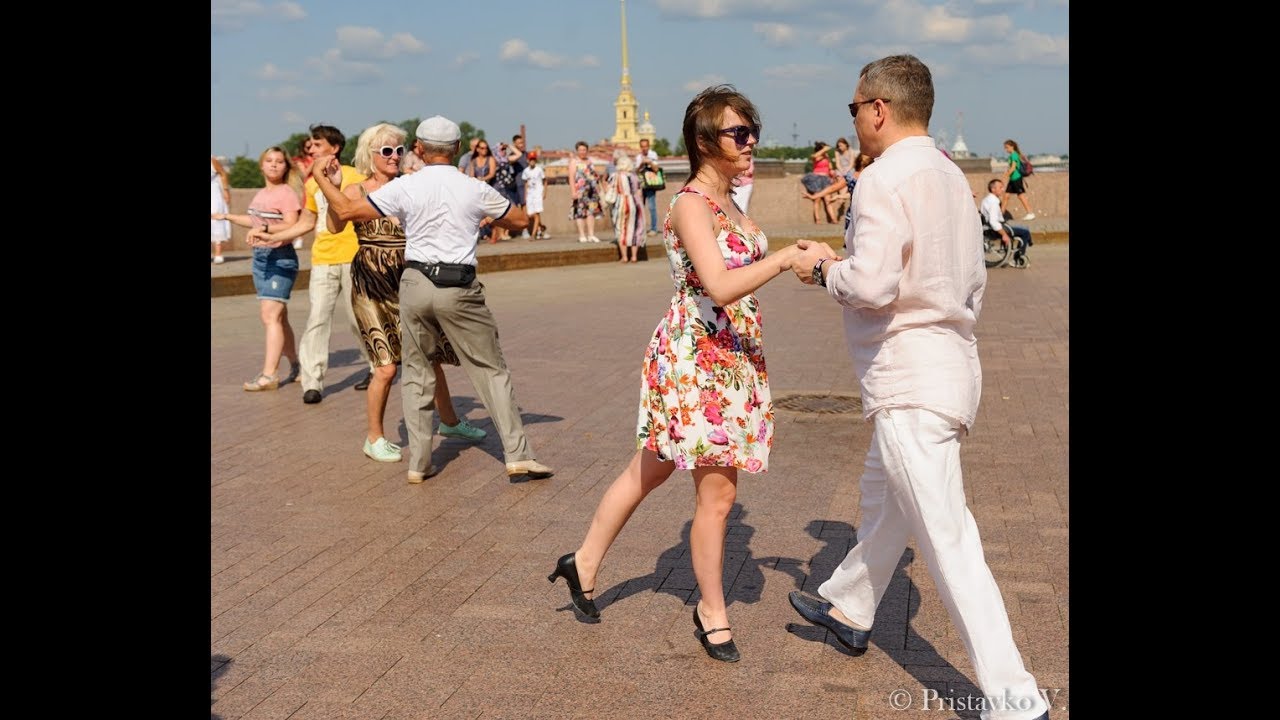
[
  {"x": 274, "y": 270},
  {"x": 814, "y": 182},
  {"x": 1015, "y": 187}
]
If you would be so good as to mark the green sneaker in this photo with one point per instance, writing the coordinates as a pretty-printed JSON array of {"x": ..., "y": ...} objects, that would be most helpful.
[
  {"x": 381, "y": 450},
  {"x": 464, "y": 430}
]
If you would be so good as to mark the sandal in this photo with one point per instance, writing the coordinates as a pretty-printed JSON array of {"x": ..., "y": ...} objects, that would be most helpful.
[{"x": 256, "y": 384}]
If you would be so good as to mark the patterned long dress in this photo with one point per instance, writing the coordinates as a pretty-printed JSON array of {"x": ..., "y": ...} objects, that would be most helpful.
[
  {"x": 588, "y": 186},
  {"x": 628, "y": 212},
  {"x": 705, "y": 392},
  {"x": 375, "y": 292}
]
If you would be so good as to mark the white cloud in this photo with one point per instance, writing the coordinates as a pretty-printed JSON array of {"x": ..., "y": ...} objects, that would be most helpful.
[
  {"x": 704, "y": 82},
  {"x": 776, "y": 34},
  {"x": 517, "y": 51},
  {"x": 1023, "y": 47},
  {"x": 232, "y": 15},
  {"x": 722, "y": 8},
  {"x": 283, "y": 93},
  {"x": 289, "y": 11},
  {"x": 797, "y": 72},
  {"x": 292, "y": 118},
  {"x": 366, "y": 43},
  {"x": 833, "y": 37},
  {"x": 332, "y": 67},
  {"x": 463, "y": 59},
  {"x": 565, "y": 85},
  {"x": 271, "y": 73},
  {"x": 229, "y": 15}
]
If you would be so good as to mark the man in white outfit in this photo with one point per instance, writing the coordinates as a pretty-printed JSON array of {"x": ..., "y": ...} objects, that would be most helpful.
[{"x": 911, "y": 286}]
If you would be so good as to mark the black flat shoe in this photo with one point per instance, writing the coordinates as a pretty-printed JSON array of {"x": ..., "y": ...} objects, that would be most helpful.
[
  {"x": 567, "y": 569},
  {"x": 725, "y": 651}
]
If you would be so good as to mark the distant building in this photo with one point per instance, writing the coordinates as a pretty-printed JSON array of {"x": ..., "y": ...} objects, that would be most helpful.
[{"x": 625, "y": 133}]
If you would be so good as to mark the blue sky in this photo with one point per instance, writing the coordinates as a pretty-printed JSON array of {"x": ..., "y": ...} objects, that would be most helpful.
[{"x": 555, "y": 65}]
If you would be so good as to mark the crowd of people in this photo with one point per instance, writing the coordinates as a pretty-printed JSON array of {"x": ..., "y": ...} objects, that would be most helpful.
[{"x": 910, "y": 280}]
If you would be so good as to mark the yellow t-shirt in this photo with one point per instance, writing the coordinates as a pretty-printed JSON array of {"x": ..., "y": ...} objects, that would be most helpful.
[{"x": 331, "y": 248}]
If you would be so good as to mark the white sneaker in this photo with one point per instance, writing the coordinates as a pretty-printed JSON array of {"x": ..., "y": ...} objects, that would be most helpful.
[
  {"x": 583, "y": 238},
  {"x": 1029, "y": 216},
  {"x": 297, "y": 244},
  {"x": 593, "y": 238},
  {"x": 219, "y": 260}
]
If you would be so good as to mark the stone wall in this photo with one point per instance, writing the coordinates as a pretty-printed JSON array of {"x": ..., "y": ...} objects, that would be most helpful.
[{"x": 775, "y": 202}]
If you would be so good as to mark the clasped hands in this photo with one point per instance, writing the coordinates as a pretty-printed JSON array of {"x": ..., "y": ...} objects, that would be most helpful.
[{"x": 807, "y": 254}]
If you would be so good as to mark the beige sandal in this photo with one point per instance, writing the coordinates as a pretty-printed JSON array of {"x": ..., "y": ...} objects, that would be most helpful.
[{"x": 256, "y": 384}]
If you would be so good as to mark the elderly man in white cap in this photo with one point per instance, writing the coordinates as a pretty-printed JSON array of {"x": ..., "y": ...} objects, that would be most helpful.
[{"x": 441, "y": 210}]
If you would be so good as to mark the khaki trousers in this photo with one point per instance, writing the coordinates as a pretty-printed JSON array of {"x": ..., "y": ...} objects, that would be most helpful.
[{"x": 465, "y": 318}]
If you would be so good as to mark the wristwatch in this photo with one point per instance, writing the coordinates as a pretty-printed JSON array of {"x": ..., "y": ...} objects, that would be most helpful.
[{"x": 818, "y": 278}]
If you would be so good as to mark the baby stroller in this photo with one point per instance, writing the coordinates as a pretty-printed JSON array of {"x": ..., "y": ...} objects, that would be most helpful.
[{"x": 996, "y": 252}]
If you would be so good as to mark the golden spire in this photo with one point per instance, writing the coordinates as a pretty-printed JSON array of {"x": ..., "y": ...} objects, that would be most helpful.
[{"x": 626, "y": 74}]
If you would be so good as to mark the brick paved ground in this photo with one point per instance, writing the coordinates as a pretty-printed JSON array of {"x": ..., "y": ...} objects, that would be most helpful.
[{"x": 337, "y": 590}]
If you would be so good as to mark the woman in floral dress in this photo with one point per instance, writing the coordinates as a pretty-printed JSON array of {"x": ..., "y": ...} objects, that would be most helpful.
[{"x": 705, "y": 401}]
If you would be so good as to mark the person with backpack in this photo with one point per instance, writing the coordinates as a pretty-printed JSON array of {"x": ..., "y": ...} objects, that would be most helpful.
[{"x": 1014, "y": 179}]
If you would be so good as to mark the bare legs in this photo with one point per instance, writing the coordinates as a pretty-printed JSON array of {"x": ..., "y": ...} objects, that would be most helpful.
[
  {"x": 376, "y": 402},
  {"x": 280, "y": 339},
  {"x": 635, "y": 253},
  {"x": 537, "y": 226},
  {"x": 716, "y": 489}
]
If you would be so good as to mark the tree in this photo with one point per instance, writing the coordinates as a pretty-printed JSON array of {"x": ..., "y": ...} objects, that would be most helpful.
[
  {"x": 680, "y": 149},
  {"x": 468, "y": 131},
  {"x": 662, "y": 146},
  {"x": 245, "y": 173}
]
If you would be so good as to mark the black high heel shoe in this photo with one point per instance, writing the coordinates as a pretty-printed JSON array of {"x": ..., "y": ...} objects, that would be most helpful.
[
  {"x": 568, "y": 569},
  {"x": 725, "y": 651}
]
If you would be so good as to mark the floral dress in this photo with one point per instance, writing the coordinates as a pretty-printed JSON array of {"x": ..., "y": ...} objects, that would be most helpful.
[
  {"x": 588, "y": 186},
  {"x": 705, "y": 392}
]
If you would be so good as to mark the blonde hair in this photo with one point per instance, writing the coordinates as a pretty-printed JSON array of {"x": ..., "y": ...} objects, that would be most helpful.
[{"x": 374, "y": 138}]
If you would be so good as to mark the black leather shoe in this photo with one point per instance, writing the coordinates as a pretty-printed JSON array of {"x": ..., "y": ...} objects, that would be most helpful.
[
  {"x": 567, "y": 569},
  {"x": 364, "y": 384},
  {"x": 725, "y": 651},
  {"x": 818, "y": 612},
  {"x": 311, "y": 397}
]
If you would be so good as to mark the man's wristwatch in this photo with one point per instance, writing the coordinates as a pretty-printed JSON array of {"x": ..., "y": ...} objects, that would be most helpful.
[{"x": 818, "y": 278}]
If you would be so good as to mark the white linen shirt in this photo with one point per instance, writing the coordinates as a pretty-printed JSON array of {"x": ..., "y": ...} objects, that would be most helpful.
[
  {"x": 440, "y": 210},
  {"x": 912, "y": 283},
  {"x": 991, "y": 208}
]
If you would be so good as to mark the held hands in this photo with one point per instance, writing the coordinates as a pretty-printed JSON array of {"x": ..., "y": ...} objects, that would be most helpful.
[
  {"x": 261, "y": 237},
  {"x": 808, "y": 255}
]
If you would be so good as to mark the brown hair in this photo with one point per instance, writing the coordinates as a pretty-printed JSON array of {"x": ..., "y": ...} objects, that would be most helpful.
[
  {"x": 702, "y": 122},
  {"x": 331, "y": 135}
]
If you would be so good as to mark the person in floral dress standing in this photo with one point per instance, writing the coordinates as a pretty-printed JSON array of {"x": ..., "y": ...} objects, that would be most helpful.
[{"x": 705, "y": 403}]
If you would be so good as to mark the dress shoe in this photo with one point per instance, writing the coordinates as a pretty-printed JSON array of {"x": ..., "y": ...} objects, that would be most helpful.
[
  {"x": 568, "y": 569},
  {"x": 526, "y": 470},
  {"x": 725, "y": 651},
  {"x": 414, "y": 477},
  {"x": 819, "y": 613},
  {"x": 364, "y": 384},
  {"x": 311, "y": 397}
]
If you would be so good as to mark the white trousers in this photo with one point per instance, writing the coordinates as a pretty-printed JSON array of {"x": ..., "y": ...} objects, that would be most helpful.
[
  {"x": 912, "y": 487},
  {"x": 329, "y": 287}
]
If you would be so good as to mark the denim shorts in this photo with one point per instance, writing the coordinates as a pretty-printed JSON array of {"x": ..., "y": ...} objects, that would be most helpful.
[{"x": 274, "y": 270}]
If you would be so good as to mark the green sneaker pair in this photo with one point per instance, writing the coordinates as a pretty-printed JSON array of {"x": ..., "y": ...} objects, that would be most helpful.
[
  {"x": 382, "y": 450},
  {"x": 464, "y": 430}
]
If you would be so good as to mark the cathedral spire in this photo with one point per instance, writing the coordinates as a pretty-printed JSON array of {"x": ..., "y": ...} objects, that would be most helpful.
[
  {"x": 626, "y": 72},
  {"x": 624, "y": 108}
]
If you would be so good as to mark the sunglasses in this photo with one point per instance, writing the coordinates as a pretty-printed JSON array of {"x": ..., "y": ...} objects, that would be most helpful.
[
  {"x": 853, "y": 106},
  {"x": 741, "y": 134},
  {"x": 387, "y": 151}
]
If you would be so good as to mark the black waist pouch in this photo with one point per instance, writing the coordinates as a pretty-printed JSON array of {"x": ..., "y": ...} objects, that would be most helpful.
[{"x": 446, "y": 274}]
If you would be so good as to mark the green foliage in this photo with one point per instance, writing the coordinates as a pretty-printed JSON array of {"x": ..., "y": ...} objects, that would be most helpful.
[
  {"x": 662, "y": 146},
  {"x": 245, "y": 173},
  {"x": 680, "y": 148},
  {"x": 294, "y": 144}
]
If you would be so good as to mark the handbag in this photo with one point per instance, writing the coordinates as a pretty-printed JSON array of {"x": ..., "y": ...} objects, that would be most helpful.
[
  {"x": 610, "y": 195},
  {"x": 655, "y": 179}
]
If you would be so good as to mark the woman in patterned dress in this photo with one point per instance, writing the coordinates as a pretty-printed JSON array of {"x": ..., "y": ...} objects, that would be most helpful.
[
  {"x": 584, "y": 185},
  {"x": 705, "y": 402},
  {"x": 375, "y": 295}
]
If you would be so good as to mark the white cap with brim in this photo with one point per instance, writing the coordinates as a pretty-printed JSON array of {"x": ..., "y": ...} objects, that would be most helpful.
[{"x": 439, "y": 130}]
